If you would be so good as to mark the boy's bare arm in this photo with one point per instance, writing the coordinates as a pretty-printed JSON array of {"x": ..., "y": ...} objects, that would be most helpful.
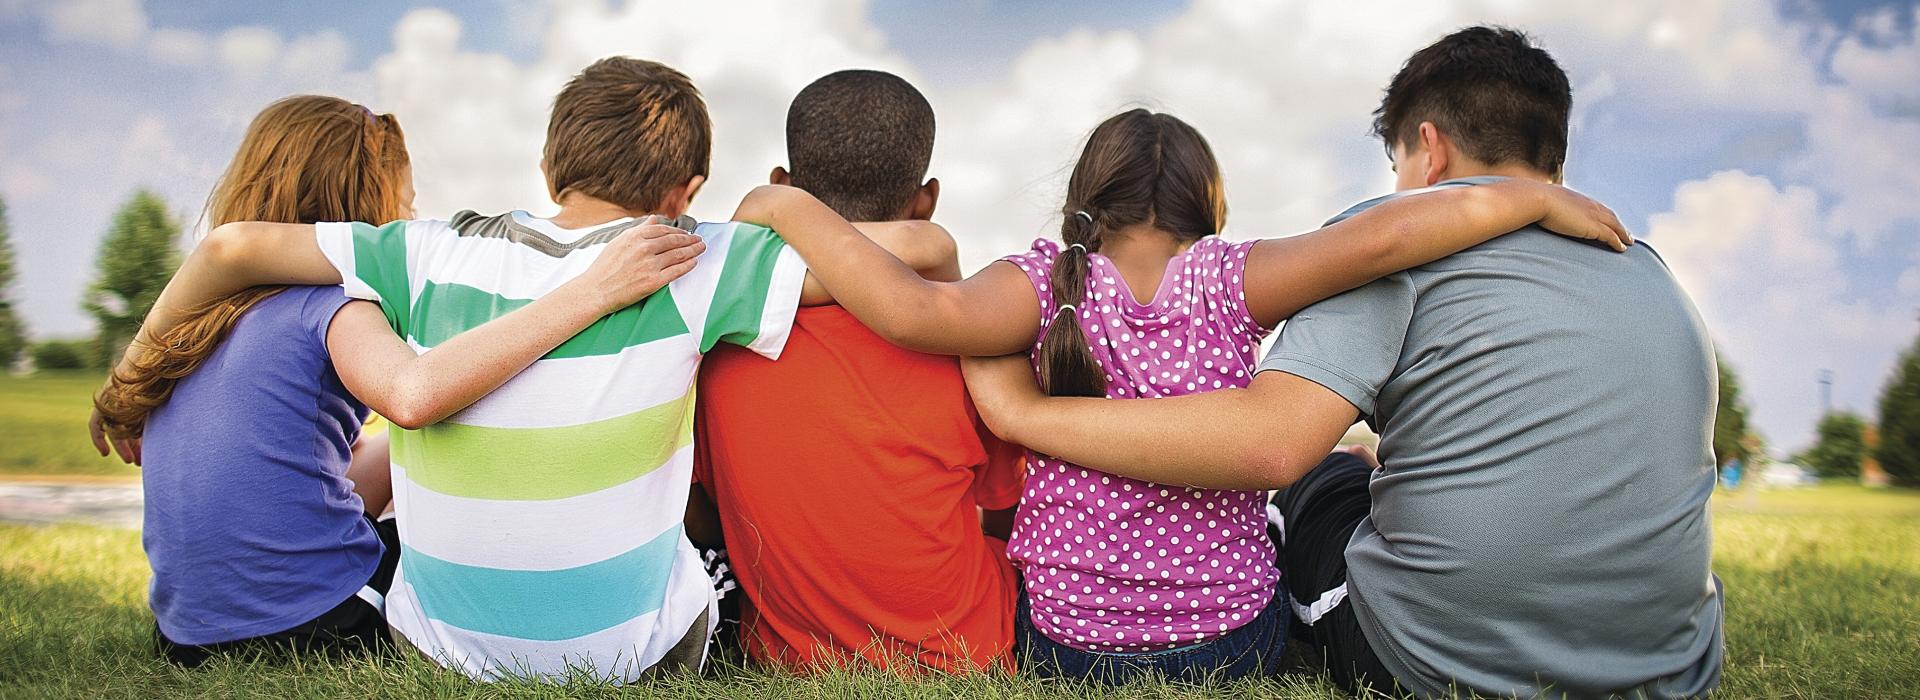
[
  {"x": 415, "y": 390},
  {"x": 993, "y": 312},
  {"x": 1262, "y": 437}
]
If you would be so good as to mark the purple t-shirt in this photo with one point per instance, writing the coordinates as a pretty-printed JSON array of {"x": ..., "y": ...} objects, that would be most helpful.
[
  {"x": 251, "y": 524},
  {"x": 1113, "y": 564}
]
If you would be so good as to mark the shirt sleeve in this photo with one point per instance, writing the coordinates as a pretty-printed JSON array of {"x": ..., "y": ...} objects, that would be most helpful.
[
  {"x": 375, "y": 264},
  {"x": 1232, "y": 274},
  {"x": 757, "y": 292},
  {"x": 1037, "y": 264},
  {"x": 1350, "y": 343}
]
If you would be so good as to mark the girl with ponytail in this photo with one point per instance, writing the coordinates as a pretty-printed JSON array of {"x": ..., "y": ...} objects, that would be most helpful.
[
  {"x": 261, "y": 500},
  {"x": 1141, "y": 298}
]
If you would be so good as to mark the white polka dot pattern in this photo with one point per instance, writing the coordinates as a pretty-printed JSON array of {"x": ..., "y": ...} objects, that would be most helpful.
[{"x": 1120, "y": 565}]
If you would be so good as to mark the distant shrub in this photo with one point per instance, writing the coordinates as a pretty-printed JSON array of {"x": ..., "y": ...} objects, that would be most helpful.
[
  {"x": 62, "y": 354},
  {"x": 1899, "y": 451}
]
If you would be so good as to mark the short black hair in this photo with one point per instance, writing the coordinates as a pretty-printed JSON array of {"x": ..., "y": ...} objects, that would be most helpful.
[
  {"x": 859, "y": 140},
  {"x": 1496, "y": 95}
]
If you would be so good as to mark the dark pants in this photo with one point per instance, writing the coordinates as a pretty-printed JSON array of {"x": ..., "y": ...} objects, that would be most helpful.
[
  {"x": 1320, "y": 512},
  {"x": 354, "y": 627},
  {"x": 1251, "y": 649}
]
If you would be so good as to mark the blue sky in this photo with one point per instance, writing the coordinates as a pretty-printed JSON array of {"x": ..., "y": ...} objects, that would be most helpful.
[{"x": 1763, "y": 146}]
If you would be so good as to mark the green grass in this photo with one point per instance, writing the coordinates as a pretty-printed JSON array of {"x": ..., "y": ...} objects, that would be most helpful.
[
  {"x": 1823, "y": 601},
  {"x": 45, "y": 418}
]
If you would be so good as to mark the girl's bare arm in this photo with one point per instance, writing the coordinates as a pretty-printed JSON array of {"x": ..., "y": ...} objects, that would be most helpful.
[{"x": 1285, "y": 275}]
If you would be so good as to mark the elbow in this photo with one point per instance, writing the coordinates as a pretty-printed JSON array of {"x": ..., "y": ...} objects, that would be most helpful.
[
  {"x": 1267, "y": 462},
  {"x": 410, "y": 411},
  {"x": 406, "y": 416},
  {"x": 223, "y": 247}
]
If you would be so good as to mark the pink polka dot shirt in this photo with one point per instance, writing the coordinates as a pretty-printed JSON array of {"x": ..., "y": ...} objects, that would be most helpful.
[{"x": 1113, "y": 564}]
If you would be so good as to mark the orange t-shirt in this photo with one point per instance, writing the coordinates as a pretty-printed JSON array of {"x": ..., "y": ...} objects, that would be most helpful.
[{"x": 846, "y": 475}]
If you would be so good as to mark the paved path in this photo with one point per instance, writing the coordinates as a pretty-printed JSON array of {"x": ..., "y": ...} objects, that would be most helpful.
[{"x": 113, "y": 505}]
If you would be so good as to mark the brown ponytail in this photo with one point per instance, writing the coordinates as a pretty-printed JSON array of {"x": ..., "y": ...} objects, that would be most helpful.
[
  {"x": 1138, "y": 168},
  {"x": 304, "y": 159}
]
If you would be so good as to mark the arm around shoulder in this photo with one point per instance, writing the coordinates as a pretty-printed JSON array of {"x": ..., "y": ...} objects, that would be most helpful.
[{"x": 1261, "y": 437}]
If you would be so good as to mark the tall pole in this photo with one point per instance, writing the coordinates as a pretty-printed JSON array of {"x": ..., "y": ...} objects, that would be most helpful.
[{"x": 1826, "y": 392}]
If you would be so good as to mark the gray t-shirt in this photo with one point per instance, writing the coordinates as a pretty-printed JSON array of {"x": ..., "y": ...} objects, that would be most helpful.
[{"x": 1545, "y": 410}]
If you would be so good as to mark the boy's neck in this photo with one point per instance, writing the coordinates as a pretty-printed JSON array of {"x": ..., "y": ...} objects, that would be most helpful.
[
  {"x": 1517, "y": 171},
  {"x": 584, "y": 211}
]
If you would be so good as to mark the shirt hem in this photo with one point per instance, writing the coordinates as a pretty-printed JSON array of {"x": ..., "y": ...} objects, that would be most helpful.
[
  {"x": 211, "y": 635},
  {"x": 1346, "y": 385}
]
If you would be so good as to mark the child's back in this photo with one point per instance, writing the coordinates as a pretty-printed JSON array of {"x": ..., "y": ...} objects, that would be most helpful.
[
  {"x": 850, "y": 473},
  {"x": 541, "y": 527},
  {"x": 1114, "y": 564}
]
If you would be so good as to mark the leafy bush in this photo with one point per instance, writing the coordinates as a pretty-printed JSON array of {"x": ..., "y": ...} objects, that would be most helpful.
[{"x": 62, "y": 354}]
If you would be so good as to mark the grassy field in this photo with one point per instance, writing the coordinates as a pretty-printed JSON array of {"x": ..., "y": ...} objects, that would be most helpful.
[
  {"x": 45, "y": 419},
  {"x": 1823, "y": 602}
]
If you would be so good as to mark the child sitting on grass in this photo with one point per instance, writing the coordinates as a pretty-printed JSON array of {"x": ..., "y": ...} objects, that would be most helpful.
[
  {"x": 1126, "y": 577},
  {"x": 851, "y": 475},
  {"x": 244, "y": 410}
]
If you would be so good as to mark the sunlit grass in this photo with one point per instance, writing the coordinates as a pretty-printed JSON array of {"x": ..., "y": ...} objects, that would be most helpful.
[{"x": 1823, "y": 601}]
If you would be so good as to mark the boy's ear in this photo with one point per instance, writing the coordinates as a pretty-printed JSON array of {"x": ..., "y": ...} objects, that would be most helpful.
[
  {"x": 779, "y": 176},
  {"x": 1437, "y": 146},
  {"x": 924, "y": 200},
  {"x": 680, "y": 198}
]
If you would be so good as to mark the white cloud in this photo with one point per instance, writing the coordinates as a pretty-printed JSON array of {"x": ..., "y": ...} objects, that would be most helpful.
[
  {"x": 118, "y": 23},
  {"x": 179, "y": 47},
  {"x": 249, "y": 51},
  {"x": 1767, "y": 274},
  {"x": 1879, "y": 61}
]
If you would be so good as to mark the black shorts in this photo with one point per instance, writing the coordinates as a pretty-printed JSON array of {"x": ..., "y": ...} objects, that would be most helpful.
[
  {"x": 356, "y": 626},
  {"x": 1318, "y": 515}
]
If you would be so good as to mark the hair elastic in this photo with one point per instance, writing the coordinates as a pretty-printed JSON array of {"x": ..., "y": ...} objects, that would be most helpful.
[
  {"x": 1064, "y": 308},
  {"x": 1083, "y": 249},
  {"x": 1082, "y": 213}
]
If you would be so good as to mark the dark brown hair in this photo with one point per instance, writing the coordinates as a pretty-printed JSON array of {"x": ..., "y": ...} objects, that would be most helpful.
[
  {"x": 305, "y": 159},
  {"x": 627, "y": 131},
  {"x": 1500, "y": 98},
  {"x": 1138, "y": 167},
  {"x": 860, "y": 140}
]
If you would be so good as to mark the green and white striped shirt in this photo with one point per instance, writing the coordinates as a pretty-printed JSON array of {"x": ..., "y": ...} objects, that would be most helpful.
[{"x": 540, "y": 528}]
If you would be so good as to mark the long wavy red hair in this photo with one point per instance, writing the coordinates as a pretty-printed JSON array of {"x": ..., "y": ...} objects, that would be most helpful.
[{"x": 305, "y": 159}]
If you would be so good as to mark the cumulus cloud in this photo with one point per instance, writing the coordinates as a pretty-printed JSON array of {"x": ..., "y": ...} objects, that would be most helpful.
[
  {"x": 116, "y": 23},
  {"x": 1767, "y": 274},
  {"x": 179, "y": 47}
]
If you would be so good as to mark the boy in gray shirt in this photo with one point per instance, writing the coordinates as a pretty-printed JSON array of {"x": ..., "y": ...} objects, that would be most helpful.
[{"x": 1537, "y": 522}]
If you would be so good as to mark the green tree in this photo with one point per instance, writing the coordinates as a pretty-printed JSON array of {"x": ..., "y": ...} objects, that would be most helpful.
[
  {"x": 13, "y": 333},
  {"x": 1730, "y": 430},
  {"x": 1899, "y": 451},
  {"x": 62, "y": 354},
  {"x": 135, "y": 261},
  {"x": 1842, "y": 446}
]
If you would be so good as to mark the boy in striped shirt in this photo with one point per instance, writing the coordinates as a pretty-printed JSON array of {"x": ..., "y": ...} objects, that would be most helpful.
[{"x": 541, "y": 527}]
